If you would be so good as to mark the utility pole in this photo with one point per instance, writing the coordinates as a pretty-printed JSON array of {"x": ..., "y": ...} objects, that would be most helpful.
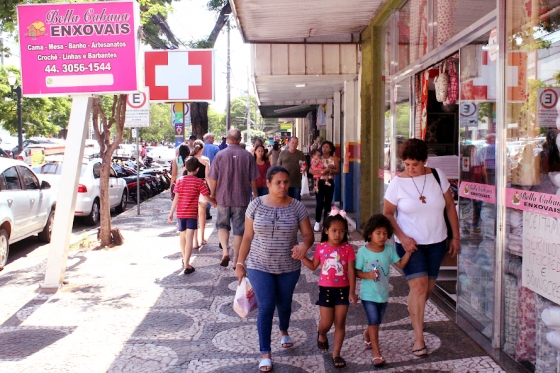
[
  {"x": 228, "y": 87},
  {"x": 248, "y": 110}
]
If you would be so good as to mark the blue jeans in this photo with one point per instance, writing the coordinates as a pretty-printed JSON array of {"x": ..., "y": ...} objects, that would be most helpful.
[
  {"x": 425, "y": 261},
  {"x": 294, "y": 193},
  {"x": 272, "y": 291}
]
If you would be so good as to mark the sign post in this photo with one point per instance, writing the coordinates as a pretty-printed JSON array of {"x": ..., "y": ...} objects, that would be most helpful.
[
  {"x": 79, "y": 50},
  {"x": 138, "y": 115}
]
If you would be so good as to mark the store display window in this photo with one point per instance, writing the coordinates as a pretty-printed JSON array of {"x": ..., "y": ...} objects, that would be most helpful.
[
  {"x": 477, "y": 189},
  {"x": 532, "y": 196}
]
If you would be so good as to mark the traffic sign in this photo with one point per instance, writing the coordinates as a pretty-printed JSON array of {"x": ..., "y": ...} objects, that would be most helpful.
[
  {"x": 547, "y": 111},
  {"x": 138, "y": 109},
  {"x": 468, "y": 114}
]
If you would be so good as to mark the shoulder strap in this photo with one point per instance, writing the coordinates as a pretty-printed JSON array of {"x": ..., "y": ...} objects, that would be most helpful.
[{"x": 436, "y": 175}]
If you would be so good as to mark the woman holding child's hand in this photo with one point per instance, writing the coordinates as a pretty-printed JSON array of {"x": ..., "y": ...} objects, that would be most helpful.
[
  {"x": 270, "y": 255},
  {"x": 420, "y": 195}
]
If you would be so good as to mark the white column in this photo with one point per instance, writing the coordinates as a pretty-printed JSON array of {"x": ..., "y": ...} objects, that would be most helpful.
[
  {"x": 333, "y": 133},
  {"x": 330, "y": 118},
  {"x": 66, "y": 199}
]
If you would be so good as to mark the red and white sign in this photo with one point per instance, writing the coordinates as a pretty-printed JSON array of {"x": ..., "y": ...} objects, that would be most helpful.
[
  {"x": 79, "y": 48},
  {"x": 180, "y": 75},
  {"x": 483, "y": 87}
]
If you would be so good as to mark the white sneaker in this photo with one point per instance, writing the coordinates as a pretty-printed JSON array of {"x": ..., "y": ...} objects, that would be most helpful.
[{"x": 317, "y": 227}]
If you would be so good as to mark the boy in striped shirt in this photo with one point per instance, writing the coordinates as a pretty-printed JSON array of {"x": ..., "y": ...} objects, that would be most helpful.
[{"x": 187, "y": 190}]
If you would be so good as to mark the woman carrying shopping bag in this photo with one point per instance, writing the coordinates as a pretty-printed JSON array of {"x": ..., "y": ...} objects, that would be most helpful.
[{"x": 270, "y": 256}]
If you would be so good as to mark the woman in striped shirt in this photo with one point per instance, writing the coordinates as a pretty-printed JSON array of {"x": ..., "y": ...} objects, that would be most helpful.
[{"x": 273, "y": 256}]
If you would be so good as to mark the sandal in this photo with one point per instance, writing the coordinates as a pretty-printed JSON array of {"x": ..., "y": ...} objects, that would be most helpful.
[
  {"x": 286, "y": 341},
  {"x": 421, "y": 352},
  {"x": 265, "y": 365},
  {"x": 188, "y": 271},
  {"x": 378, "y": 361},
  {"x": 322, "y": 346},
  {"x": 225, "y": 261},
  {"x": 338, "y": 362},
  {"x": 366, "y": 343}
]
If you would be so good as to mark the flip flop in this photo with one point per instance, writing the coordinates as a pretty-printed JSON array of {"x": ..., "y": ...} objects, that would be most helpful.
[
  {"x": 286, "y": 341},
  {"x": 265, "y": 365},
  {"x": 188, "y": 271},
  {"x": 378, "y": 361},
  {"x": 366, "y": 343},
  {"x": 338, "y": 362},
  {"x": 421, "y": 352}
]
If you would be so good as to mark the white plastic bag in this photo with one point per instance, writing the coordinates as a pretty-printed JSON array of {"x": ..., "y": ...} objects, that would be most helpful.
[
  {"x": 304, "y": 184},
  {"x": 245, "y": 300}
]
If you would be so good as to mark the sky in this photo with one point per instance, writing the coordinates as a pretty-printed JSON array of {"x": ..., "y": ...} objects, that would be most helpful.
[{"x": 191, "y": 21}]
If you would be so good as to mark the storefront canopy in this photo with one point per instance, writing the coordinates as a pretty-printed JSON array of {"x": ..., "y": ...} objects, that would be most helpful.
[{"x": 310, "y": 21}]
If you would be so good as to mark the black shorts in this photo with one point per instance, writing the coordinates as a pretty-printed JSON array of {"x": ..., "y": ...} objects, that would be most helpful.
[{"x": 330, "y": 297}]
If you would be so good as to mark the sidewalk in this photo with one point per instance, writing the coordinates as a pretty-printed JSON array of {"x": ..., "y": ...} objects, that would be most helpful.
[{"x": 127, "y": 310}]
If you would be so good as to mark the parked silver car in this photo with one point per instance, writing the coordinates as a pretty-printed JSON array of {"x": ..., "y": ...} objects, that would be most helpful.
[{"x": 27, "y": 206}]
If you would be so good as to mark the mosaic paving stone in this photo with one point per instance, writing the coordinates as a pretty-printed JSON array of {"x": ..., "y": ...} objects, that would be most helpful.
[
  {"x": 394, "y": 345},
  {"x": 245, "y": 339},
  {"x": 476, "y": 364},
  {"x": 296, "y": 364},
  {"x": 21, "y": 342},
  {"x": 146, "y": 358},
  {"x": 173, "y": 297}
]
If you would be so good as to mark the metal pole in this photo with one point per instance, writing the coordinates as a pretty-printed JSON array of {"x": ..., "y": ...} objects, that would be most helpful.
[
  {"x": 137, "y": 174},
  {"x": 248, "y": 111},
  {"x": 19, "y": 118},
  {"x": 228, "y": 86}
]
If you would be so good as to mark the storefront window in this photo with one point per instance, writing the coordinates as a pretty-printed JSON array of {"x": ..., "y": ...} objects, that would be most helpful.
[
  {"x": 533, "y": 181},
  {"x": 402, "y": 119},
  {"x": 454, "y": 16},
  {"x": 477, "y": 189},
  {"x": 413, "y": 32},
  {"x": 387, "y": 111}
]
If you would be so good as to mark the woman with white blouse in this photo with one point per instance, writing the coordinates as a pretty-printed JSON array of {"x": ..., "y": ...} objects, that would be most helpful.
[
  {"x": 271, "y": 256},
  {"x": 420, "y": 229}
]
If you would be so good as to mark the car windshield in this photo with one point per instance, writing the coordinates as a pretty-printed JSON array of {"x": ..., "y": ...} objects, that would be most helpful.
[{"x": 53, "y": 168}]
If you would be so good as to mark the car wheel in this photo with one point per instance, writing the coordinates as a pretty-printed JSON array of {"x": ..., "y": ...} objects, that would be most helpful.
[
  {"x": 45, "y": 235},
  {"x": 4, "y": 248},
  {"x": 93, "y": 217},
  {"x": 122, "y": 206}
]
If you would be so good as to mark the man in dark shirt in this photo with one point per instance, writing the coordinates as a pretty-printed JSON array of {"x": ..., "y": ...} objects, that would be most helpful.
[
  {"x": 233, "y": 171},
  {"x": 223, "y": 145}
]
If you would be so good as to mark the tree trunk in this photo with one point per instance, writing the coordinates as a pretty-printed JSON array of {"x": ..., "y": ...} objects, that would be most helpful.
[
  {"x": 102, "y": 128},
  {"x": 199, "y": 119}
]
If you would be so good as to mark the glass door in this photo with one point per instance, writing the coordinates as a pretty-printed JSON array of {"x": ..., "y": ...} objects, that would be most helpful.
[{"x": 477, "y": 187}]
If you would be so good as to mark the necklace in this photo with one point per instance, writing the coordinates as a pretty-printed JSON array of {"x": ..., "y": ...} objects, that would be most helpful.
[{"x": 422, "y": 198}]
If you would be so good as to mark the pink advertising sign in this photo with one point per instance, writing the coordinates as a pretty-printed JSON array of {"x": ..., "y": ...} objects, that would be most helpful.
[
  {"x": 541, "y": 203},
  {"x": 78, "y": 48},
  {"x": 480, "y": 192}
]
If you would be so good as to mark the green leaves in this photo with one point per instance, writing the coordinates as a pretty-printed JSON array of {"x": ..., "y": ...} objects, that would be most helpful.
[{"x": 40, "y": 116}]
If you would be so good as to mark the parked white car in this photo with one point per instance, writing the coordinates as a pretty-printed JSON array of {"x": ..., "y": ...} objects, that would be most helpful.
[
  {"x": 88, "y": 200},
  {"x": 162, "y": 154},
  {"x": 27, "y": 206}
]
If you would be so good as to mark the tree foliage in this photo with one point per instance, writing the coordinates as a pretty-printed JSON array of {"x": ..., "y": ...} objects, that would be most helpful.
[
  {"x": 160, "y": 128},
  {"x": 40, "y": 116},
  {"x": 216, "y": 123}
]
